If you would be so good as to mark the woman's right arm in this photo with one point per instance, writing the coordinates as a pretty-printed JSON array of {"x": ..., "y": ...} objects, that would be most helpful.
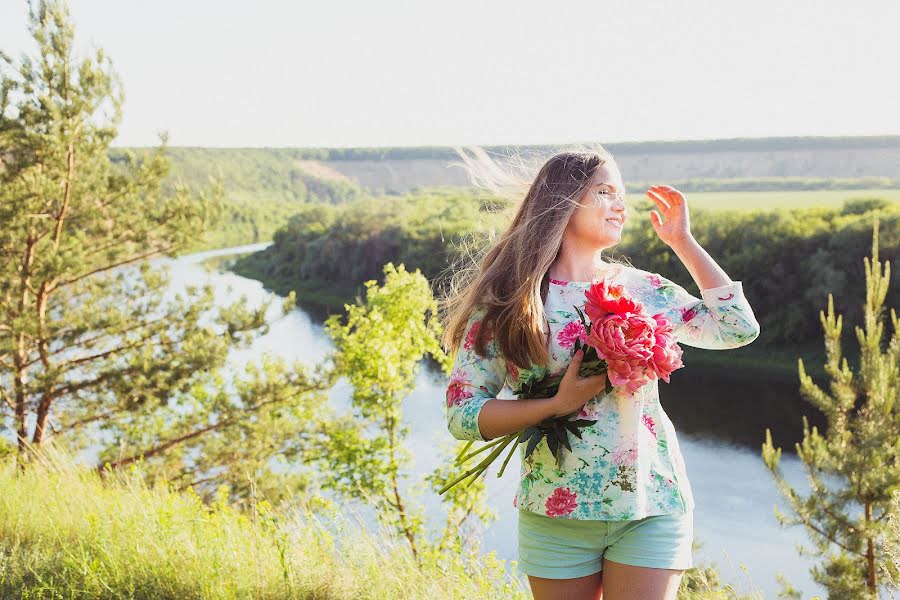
[
  {"x": 475, "y": 413},
  {"x": 475, "y": 380},
  {"x": 574, "y": 391},
  {"x": 500, "y": 417}
]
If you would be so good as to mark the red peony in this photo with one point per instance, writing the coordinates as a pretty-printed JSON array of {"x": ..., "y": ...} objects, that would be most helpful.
[
  {"x": 561, "y": 502},
  {"x": 636, "y": 347}
]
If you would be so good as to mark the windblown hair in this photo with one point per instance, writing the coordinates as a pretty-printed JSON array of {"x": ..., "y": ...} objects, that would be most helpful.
[{"x": 509, "y": 277}]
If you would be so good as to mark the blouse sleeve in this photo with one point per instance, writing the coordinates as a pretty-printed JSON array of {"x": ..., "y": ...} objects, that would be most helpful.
[
  {"x": 473, "y": 381},
  {"x": 721, "y": 319}
]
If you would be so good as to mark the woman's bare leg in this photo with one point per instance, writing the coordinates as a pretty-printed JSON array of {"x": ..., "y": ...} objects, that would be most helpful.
[
  {"x": 589, "y": 587},
  {"x": 627, "y": 582}
]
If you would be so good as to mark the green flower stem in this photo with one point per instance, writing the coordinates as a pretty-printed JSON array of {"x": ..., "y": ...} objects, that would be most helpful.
[
  {"x": 490, "y": 444},
  {"x": 490, "y": 459},
  {"x": 480, "y": 468},
  {"x": 511, "y": 452},
  {"x": 465, "y": 449}
]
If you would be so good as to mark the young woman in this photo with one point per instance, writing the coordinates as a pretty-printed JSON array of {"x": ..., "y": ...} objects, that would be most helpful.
[{"x": 618, "y": 516}]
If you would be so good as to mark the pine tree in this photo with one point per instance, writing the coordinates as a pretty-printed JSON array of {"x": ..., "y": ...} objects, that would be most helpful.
[
  {"x": 94, "y": 351},
  {"x": 848, "y": 520}
]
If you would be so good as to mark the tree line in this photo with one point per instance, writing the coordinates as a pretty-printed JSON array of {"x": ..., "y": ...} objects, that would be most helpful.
[{"x": 787, "y": 259}]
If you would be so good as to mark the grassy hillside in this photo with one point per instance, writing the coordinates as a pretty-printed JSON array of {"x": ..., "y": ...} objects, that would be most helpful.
[
  {"x": 751, "y": 164},
  {"x": 65, "y": 533}
]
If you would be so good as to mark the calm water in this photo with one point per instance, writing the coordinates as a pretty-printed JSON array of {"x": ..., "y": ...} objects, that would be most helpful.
[{"x": 720, "y": 425}]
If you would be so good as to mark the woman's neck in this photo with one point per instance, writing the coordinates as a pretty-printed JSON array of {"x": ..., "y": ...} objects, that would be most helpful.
[{"x": 577, "y": 268}]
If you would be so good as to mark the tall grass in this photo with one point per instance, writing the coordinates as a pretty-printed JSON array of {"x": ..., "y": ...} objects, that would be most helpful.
[{"x": 67, "y": 533}]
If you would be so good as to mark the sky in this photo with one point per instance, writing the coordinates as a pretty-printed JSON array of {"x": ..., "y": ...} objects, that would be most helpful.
[{"x": 339, "y": 73}]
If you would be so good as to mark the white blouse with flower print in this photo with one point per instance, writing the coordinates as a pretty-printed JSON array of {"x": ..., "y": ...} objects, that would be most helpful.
[{"x": 628, "y": 464}]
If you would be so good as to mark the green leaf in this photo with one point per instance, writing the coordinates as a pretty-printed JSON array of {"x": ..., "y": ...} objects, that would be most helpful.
[
  {"x": 573, "y": 428},
  {"x": 583, "y": 319},
  {"x": 563, "y": 435},
  {"x": 534, "y": 438},
  {"x": 553, "y": 443}
]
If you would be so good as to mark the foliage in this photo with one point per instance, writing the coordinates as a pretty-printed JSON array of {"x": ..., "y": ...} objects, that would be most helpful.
[
  {"x": 92, "y": 351},
  {"x": 261, "y": 188},
  {"x": 379, "y": 349},
  {"x": 859, "y": 450},
  {"x": 891, "y": 563},
  {"x": 350, "y": 243}
]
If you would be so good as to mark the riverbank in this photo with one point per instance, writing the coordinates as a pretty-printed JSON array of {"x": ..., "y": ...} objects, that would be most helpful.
[{"x": 322, "y": 298}]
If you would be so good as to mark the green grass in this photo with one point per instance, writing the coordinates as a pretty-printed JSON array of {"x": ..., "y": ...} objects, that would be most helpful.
[{"x": 66, "y": 533}]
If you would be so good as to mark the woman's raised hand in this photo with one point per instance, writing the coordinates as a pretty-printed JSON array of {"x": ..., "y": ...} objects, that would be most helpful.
[
  {"x": 677, "y": 225},
  {"x": 574, "y": 391}
]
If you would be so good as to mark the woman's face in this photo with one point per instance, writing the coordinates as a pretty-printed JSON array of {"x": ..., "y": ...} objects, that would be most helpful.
[{"x": 598, "y": 220}]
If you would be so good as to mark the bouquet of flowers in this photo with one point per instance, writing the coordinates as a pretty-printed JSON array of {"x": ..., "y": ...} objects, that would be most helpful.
[{"x": 621, "y": 340}]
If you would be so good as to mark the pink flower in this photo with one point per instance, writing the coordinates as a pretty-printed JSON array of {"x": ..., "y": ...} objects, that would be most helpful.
[
  {"x": 636, "y": 347},
  {"x": 572, "y": 331},
  {"x": 561, "y": 502},
  {"x": 516, "y": 500},
  {"x": 666, "y": 351},
  {"x": 603, "y": 299},
  {"x": 624, "y": 454},
  {"x": 458, "y": 388},
  {"x": 626, "y": 341},
  {"x": 471, "y": 335},
  {"x": 648, "y": 421},
  {"x": 513, "y": 370},
  {"x": 687, "y": 314}
]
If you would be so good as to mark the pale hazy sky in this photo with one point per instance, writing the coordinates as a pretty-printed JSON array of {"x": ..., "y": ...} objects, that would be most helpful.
[{"x": 390, "y": 73}]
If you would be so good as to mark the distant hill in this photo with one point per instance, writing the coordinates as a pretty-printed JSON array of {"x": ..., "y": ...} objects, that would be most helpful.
[
  {"x": 337, "y": 174},
  {"x": 826, "y": 158}
]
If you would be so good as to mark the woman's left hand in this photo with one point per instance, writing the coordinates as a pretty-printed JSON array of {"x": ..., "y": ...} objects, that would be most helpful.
[{"x": 677, "y": 225}]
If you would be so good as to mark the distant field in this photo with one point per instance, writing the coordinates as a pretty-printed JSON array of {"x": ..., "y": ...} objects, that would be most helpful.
[{"x": 789, "y": 199}]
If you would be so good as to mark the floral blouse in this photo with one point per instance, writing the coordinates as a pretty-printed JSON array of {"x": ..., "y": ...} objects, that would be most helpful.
[{"x": 628, "y": 464}]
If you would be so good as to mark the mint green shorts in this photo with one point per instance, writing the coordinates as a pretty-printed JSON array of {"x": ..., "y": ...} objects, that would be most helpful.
[{"x": 559, "y": 548}]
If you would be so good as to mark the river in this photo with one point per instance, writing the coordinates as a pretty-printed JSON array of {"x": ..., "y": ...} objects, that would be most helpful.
[{"x": 734, "y": 492}]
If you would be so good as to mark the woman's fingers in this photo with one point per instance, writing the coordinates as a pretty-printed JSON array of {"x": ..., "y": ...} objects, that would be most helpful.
[
  {"x": 670, "y": 194},
  {"x": 657, "y": 197}
]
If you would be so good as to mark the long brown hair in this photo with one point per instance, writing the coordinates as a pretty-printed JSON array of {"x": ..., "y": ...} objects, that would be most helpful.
[{"x": 509, "y": 277}]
